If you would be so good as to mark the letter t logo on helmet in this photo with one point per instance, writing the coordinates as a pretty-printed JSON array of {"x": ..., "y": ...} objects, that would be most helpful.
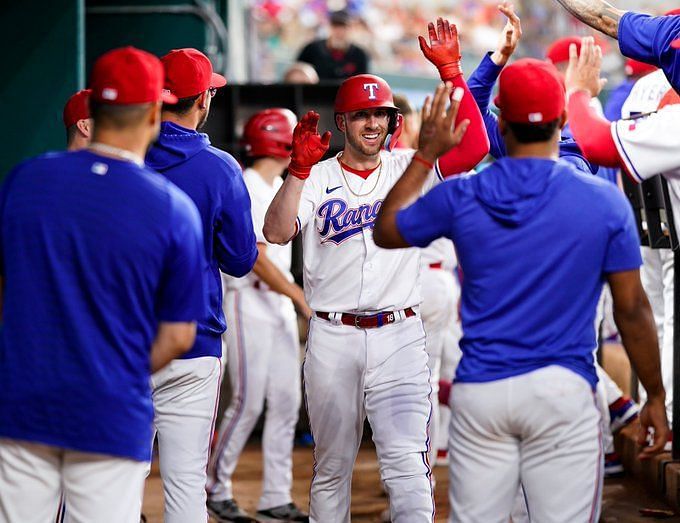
[{"x": 371, "y": 88}]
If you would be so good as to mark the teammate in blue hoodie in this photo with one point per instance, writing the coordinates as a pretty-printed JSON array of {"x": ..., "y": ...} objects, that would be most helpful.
[
  {"x": 483, "y": 79},
  {"x": 536, "y": 239},
  {"x": 186, "y": 392}
]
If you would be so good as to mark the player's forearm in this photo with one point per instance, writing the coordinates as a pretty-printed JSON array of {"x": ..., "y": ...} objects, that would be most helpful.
[
  {"x": 386, "y": 233},
  {"x": 592, "y": 132},
  {"x": 172, "y": 340},
  {"x": 598, "y": 14},
  {"x": 638, "y": 334},
  {"x": 279, "y": 222},
  {"x": 475, "y": 143},
  {"x": 274, "y": 278}
]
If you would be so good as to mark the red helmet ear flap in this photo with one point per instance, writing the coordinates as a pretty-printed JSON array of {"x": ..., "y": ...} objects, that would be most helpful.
[{"x": 394, "y": 129}]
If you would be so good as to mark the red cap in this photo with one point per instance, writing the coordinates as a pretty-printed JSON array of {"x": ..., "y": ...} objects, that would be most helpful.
[
  {"x": 672, "y": 12},
  {"x": 670, "y": 98},
  {"x": 363, "y": 91},
  {"x": 128, "y": 76},
  {"x": 558, "y": 51},
  {"x": 636, "y": 68},
  {"x": 530, "y": 91},
  {"x": 188, "y": 72},
  {"x": 77, "y": 107}
]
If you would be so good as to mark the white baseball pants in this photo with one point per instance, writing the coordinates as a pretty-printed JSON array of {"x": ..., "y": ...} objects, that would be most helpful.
[
  {"x": 382, "y": 374},
  {"x": 657, "y": 274},
  {"x": 263, "y": 360},
  {"x": 439, "y": 313},
  {"x": 96, "y": 487},
  {"x": 185, "y": 396},
  {"x": 541, "y": 429}
]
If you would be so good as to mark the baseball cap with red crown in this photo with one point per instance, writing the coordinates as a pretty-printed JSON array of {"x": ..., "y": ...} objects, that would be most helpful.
[
  {"x": 270, "y": 133},
  {"x": 530, "y": 92},
  {"x": 558, "y": 51},
  {"x": 77, "y": 108},
  {"x": 188, "y": 72},
  {"x": 128, "y": 76},
  {"x": 363, "y": 91}
]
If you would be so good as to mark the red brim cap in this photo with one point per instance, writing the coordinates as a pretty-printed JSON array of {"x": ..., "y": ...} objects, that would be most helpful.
[
  {"x": 675, "y": 44},
  {"x": 217, "y": 80}
]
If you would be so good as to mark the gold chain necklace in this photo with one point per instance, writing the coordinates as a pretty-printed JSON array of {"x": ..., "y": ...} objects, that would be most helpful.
[{"x": 349, "y": 187}]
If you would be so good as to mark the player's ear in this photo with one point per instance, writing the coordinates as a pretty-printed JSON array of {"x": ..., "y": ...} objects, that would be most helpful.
[
  {"x": 203, "y": 100},
  {"x": 502, "y": 125},
  {"x": 154, "y": 114},
  {"x": 340, "y": 122},
  {"x": 563, "y": 119},
  {"x": 85, "y": 127}
]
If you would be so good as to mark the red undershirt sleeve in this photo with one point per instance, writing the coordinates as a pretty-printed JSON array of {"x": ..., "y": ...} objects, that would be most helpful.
[
  {"x": 592, "y": 132},
  {"x": 475, "y": 144}
]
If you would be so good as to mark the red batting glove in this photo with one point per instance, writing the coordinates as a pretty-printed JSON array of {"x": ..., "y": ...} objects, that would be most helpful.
[
  {"x": 444, "y": 48},
  {"x": 308, "y": 146}
]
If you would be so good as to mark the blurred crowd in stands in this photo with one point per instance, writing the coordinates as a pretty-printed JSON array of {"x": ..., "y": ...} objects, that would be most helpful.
[{"x": 387, "y": 29}]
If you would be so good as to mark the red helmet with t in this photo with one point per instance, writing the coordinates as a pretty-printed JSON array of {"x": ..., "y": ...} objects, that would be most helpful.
[
  {"x": 270, "y": 133},
  {"x": 367, "y": 91}
]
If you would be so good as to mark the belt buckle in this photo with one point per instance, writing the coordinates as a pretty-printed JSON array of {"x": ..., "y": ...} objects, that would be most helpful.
[{"x": 357, "y": 319}]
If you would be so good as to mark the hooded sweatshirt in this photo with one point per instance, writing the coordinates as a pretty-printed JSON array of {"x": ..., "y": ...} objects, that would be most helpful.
[
  {"x": 535, "y": 239},
  {"x": 213, "y": 180}
]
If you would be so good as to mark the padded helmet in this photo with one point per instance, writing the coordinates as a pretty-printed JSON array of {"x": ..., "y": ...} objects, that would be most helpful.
[
  {"x": 363, "y": 91},
  {"x": 270, "y": 133}
]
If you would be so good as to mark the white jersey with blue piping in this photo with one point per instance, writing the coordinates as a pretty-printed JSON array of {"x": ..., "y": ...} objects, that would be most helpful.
[{"x": 344, "y": 271}]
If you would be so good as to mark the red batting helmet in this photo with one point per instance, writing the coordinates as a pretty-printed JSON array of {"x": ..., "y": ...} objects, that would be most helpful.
[
  {"x": 363, "y": 91},
  {"x": 270, "y": 133}
]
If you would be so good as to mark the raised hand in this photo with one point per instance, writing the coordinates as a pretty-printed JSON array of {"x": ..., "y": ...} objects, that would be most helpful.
[
  {"x": 444, "y": 49},
  {"x": 308, "y": 146},
  {"x": 438, "y": 133},
  {"x": 583, "y": 72},
  {"x": 510, "y": 37}
]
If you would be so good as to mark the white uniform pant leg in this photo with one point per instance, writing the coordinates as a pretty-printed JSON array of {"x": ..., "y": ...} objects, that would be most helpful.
[
  {"x": 651, "y": 274},
  {"x": 484, "y": 455},
  {"x": 666, "y": 344},
  {"x": 249, "y": 342},
  {"x": 102, "y": 488},
  {"x": 333, "y": 372},
  {"x": 562, "y": 457},
  {"x": 283, "y": 405},
  {"x": 30, "y": 481},
  {"x": 185, "y": 396},
  {"x": 397, "y": 392},
  {"x": 602, "y": 403}
]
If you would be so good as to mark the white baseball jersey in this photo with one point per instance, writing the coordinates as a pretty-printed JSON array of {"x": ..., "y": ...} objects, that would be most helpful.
[
  {"x": 651, "y": 145},
  {"x": 646, "y": 94},
  {"x": 439, "y": 251},
  {"x": 261, "y": 195},
  {"x": 344, "y": 271}
]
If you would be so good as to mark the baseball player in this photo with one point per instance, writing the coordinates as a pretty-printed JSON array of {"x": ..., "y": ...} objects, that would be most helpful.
[
  {"x": 185, "y": 392},
  {"x": 106, "y": 257},
  {"x": 522, "y": 402},
  {"x": 77, "y": 120},
  {"x": 263, "y": 343},
  {"x": 641, "y": 37},
  {"x": 365, "y": 353}
]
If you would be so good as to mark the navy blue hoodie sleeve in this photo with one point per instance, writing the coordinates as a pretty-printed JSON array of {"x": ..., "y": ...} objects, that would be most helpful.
[
  {"x": 235, "y": 244},
  {"x": 481, "y": 83}
]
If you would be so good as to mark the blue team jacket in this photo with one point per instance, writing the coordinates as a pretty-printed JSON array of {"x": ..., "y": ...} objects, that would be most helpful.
[{"x": 213, "y": 180}]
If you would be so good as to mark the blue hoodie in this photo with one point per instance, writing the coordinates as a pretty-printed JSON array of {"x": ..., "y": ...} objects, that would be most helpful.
[
  {"x": 535, "y": 239},
  {"x": 214, "y": 181}
]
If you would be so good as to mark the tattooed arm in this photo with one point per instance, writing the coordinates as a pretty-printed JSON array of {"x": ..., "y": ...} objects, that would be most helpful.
[{"x": 598, "y": 14}]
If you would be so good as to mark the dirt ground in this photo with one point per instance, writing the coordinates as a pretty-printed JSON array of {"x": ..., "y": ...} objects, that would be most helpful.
[{"x": 622, "y": 497}]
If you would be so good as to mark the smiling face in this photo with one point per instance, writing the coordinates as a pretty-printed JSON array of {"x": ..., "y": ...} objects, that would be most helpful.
[{"x": 365, "y": 130}]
